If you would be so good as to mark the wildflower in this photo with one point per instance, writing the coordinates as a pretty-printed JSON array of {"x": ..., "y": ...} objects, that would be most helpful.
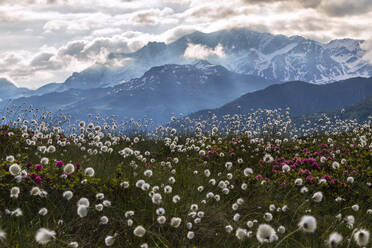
[
  {"x": 168, "y": 189},
  {"x": 236, "y": 217},
  {"x": 361, "y": 237},
  {"x": 59, "y": 163},
  {"x": 100, "y": 196},
  {"x": 247, "y": 172},
  {"x": 44, "y": 236},
  {"x": 2, "y": 235},
  {"x": 266, "y": 234},
  {"x": 334, "y": 239},
  {"x": 268, "y": 158},
  {"x": 304, "y": 190},
  {"x": 15, "y": 169},
  {"x": 286, "y": 168},
  {"x": 130, "y": 222},
  {"x": 281, "y": 229},
  {"x": 17, "y": 212},
  {"x": 318, "y": 196},
  {"x": 229, "y": 228},
  {"x": 194, "y": 207},
  {"x": 268, "y": 217},
  {"x": 89, "y": 172},
  {"x": 244, "y": 186},
  {"x": 109, "y": 240},
  {"x": 82, "y": 211},
  {"x": 335, "y": 165},
  {"x": 161, "y": 219},
  {"x": 83, "y": 202},
  {"x": 307, "y": 224},
  {"x": 350, "y": 180},
  {"x": 355, "y": 207},
  {"x": 99, "y": 207},
  {"x": 73, "y": 244},
  {"x": 44, "y": 161},
  {"x": 39, "y": 167},
  {"x": 69, "y": 169},
  {"x": 298, "y": 182},
  {"x": 241, "y": 233},
  {"x": 176, "y": 198},
  {"x": 148, "y": 173},
  {"x": 157, "y": 198},
  {"x": 68, "y": 195},
  {"x": 43, "y": 211},
  {"x": 139, "y": 231},
  {"x": 190, "y": 235},
  {"x": 128, "y": 213},
  {"x": 14, "y": 192},
  {"x": 272, "y": 207},
  {"x": 250, "y": 224},
  {"x": 103, "y": 220},
  {"x": 175, "y": 222},
  {"x": 10, "y": 158},
  {"x": 124, "y": 184},
  {"x": 350, "y": 220},
  {"x": 106, "y": 203},
  {"x": 35, "y": 191},
  {"x": 228, "y": 165}
]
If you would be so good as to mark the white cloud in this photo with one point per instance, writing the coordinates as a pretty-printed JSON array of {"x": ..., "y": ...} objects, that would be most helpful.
[{"x": 198, "y": 51}]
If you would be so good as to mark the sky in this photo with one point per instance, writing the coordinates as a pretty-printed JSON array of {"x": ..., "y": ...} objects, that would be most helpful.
[{"x": 43, "y": 41}]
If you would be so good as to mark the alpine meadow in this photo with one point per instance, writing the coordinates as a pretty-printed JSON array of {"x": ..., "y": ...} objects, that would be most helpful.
[{"x": 184, "y": 123}]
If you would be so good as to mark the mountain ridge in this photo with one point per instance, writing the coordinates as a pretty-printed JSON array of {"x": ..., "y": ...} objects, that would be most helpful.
[{"x": 301, "y": 97}]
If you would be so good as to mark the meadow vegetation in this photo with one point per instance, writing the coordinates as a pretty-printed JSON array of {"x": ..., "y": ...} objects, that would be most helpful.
[{"x": 242, "y": 181}]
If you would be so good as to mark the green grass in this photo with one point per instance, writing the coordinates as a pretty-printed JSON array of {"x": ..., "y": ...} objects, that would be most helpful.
[{"x": 112, "y": 169}]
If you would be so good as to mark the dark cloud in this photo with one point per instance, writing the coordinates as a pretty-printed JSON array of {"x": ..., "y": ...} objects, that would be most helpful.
[
  {"x": 151, "y": 16},
  {"x": 346, "y": 7},
  {"x": 303, "y": 3},
  {"x": 145, "y": 18},
  {"x": 329, "y": 7},
  {"x": 44, "y": 61},
  {"x": 214, "y": 12}
]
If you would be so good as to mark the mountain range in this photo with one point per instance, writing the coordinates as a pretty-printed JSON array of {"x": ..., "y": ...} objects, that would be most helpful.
[
  {"x": 274, "y": 57},
  {"x": 160, "y": 92},
  {"x": 163, "y": 79}
]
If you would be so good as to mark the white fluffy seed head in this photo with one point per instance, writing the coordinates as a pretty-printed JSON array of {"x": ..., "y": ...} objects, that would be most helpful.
[
  {"x": 241, "y": 233},
  {"x": 89, "y": 172},
  {"x": 15, "y": 169},
  {"x": 139, "y": 231},
  {"x": 176, "y": 222},
  {"x": 361, "y": 237},
  {"x": 69, "y": 169},
  {"x": 190, "y": 235},
  {"x": 44, "y": 236},
  {"x": 68, "y": 195},
  {"x": 82, "y": 211},
  {"x": 307, "y": 224},
  {"x": 83, "y": 202},
  {"x": 334, "y": 239},
  {"x": 266, "y": 234}
]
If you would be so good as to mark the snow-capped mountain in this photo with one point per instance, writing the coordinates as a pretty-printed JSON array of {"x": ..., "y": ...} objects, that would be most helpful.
[{"x": 275, "y": 57}]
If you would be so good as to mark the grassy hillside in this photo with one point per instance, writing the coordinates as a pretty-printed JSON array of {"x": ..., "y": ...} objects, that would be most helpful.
[{"x": 205, "y": 190}]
